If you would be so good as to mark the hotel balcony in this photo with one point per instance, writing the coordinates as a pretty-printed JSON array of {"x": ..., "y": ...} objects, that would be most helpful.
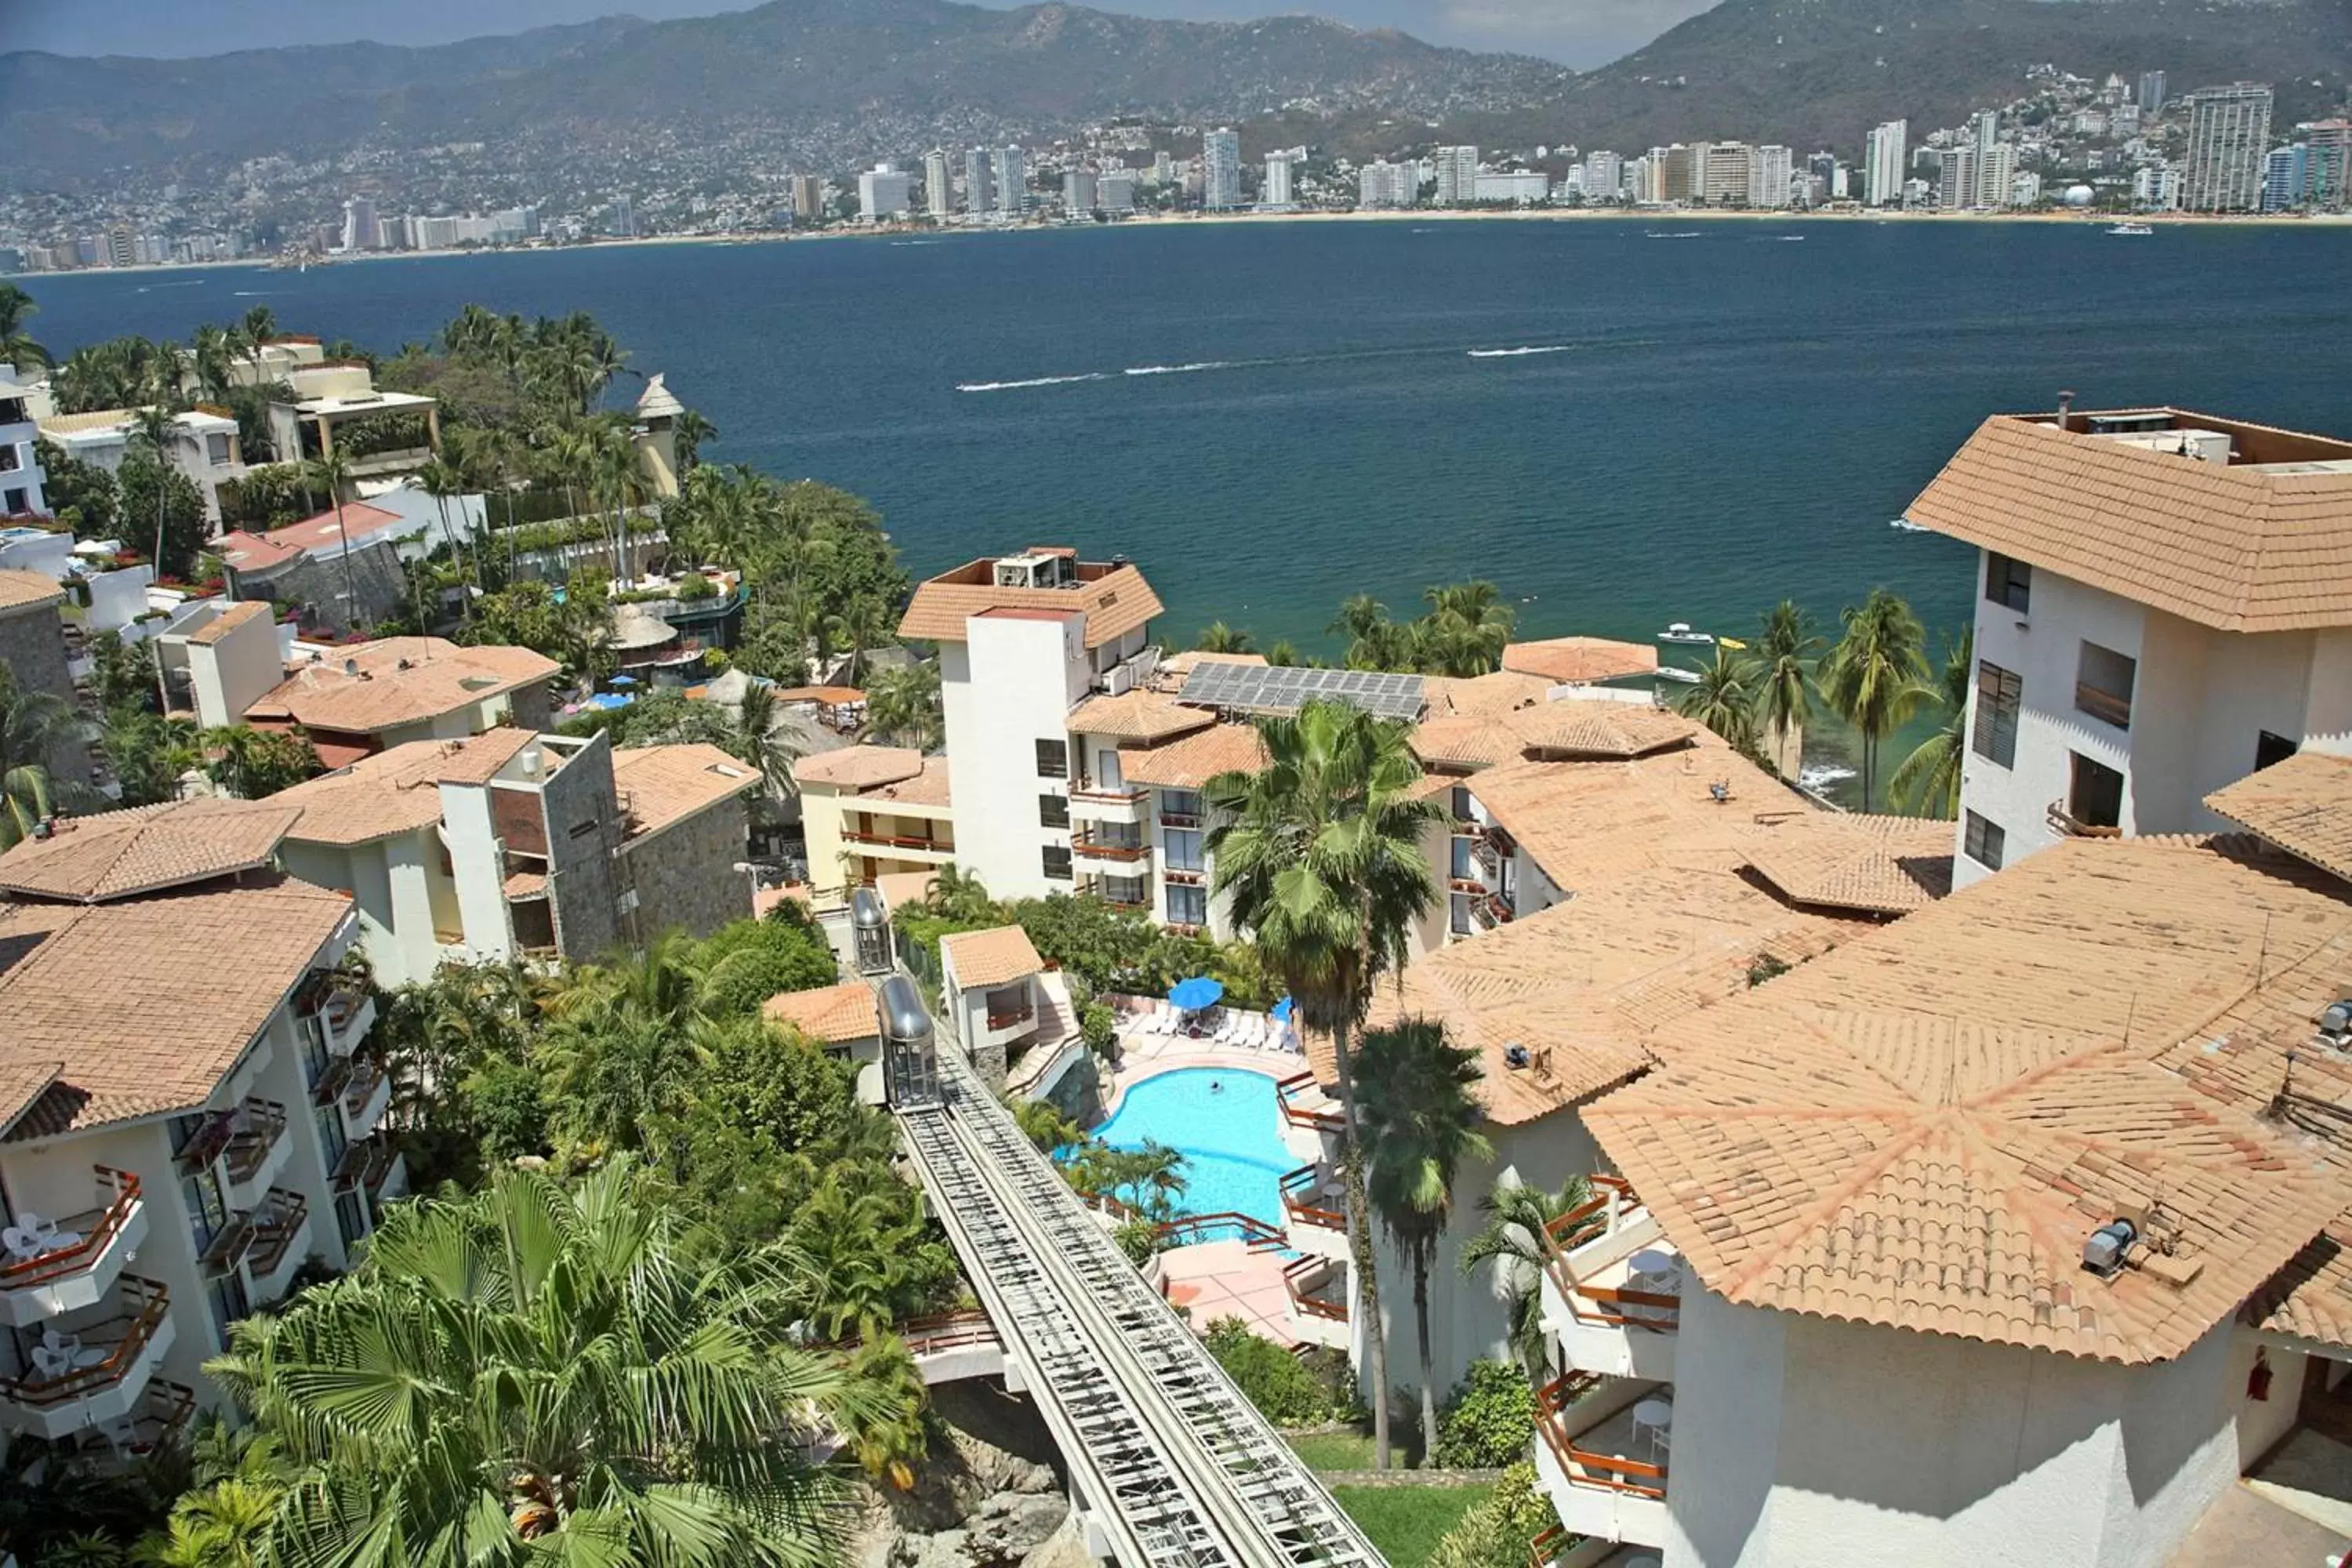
[
  {"x": 2067, "y": 825},
  {"x": 1317, "y": 1288},
  {"x": 1310, "y": 1119},
  {"x": 911, "y": 839},
  {"x": 1131, "y": 893},
  {"x": 1612, "y": 1287},
  {"x": 1315, "y": 1212},
  {"x": 162, "y": 1415},
  {"x": 257, "y": 1151},
  {"x": 1559, "y": 1547},
  {"x": 376, "y": 1167},
  {"x": 360, "y": 1091},
  {"x": 68, "y": 1264},
  {"x": 1601, "y": 1447},
  {"x": 1126, "y": 804},
  {"x": 339, "y": 1007},
  {"x": 90, "y": 1370},
  {"x": 1116, "y": 853},
  {"x": 281, "y": 1239}
]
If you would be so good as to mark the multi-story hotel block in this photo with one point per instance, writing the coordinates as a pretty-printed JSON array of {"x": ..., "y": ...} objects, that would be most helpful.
[
  {"x": 192, "y": 1109},
  {"x": 2162, "y": 608}
]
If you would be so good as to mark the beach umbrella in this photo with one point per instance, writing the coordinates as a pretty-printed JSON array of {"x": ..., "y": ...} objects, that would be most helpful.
[
  {"x": 1282, "y": 1010},
  {"x": 1197, "y": 992},
  {"x": 622, "y": 681}
]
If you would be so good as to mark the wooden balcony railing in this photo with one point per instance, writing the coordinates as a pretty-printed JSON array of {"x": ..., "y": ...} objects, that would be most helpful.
[
  {"x": 1012, "y": 1015},
  {"x": 1179, "y": 819},
  {"x": 1302, "y": 1295},
  {"x": 1299, "y": 1189},
  {"x": 260, "y": 1124},
  {"x": 94, "y": 1230},
  {"x": 204, "y": 1145},
  {"x": 1087, "y": 792},
  {"x": 2067, "y": 824},
  {"x": 898, "y": 840},
  {"x": 276, "y": 1224},
  {"x": 1548, "y": 1545},
  {"x": 1102, "y": 848},
  {"x": 1608, "y": 1305},
  {"x": 1587, "y": 1467},
  {"x": 1581, "y": 1223},
  {"x": 1288, "y": 1091},
  {"x": 1189, "y": 1230},
  {"x": 145, "y": 1304},
  {"x": 360, "y": 1085},
  {"x": 2103, "y": 704}
]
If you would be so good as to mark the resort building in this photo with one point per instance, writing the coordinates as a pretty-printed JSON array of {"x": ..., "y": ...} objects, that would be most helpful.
[
  {"x": 384, "y": 434},
  {"x": 168, "y": 1167},
  {"x": 517, "y": 844},
  {"x": 845, "y": 1021},
  {"x": 2012, "y": 1232},
  {"x": 1000, "y": 1002},
  {"x": 20, "y": 463},
  {"x": 203, "y": 445},
  {"x": 360, "y": 699},
  {"x": 34, "y": 651},
  {"x": 869, "y": 812},
  {"x": 2161, "y": 612}
]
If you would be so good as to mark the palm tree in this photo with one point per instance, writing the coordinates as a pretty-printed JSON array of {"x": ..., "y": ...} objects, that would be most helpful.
[
  {"x": 260, "y": 324},
  {"x": 756, "y": 737},
  {"x": 221, "y": 1526},
  {"x": 333, "y": 472},
  {"x": 532, "y": 1372},
  {"x": 864, "y": 624},
  {"x": 1723, "y": 701},
  {"x": 35, "y": 727},
  {"x": 689, "y": 431},
  {"x": 1282, "y": 654},
  {"x": 18, "y": 346},
  {"x": 1417, "y": 1095},
  {"x": 1928, "y": 780},
  {"x": 442, "y": 482},
  {"x": 1786, "y": 649},
  {"x": 1219, "y": 638},
  {"x": 1320, "y": 852},
  {"x": 616, "y": 479},
  {"x": 903, "y": 705},
  {"x": 1469, "y": 626},
  {"x": 1876, "y": 676},
  {"x": 1511, "y": 1243},
  {"x": 155, "y": 429}
]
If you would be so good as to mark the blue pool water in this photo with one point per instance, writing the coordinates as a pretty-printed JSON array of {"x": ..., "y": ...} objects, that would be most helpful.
[{"x": 1227, "y": 1125}]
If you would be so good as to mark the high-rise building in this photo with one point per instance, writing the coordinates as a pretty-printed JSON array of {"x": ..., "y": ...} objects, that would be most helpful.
[
  {"x": 1768, "y": 174},
  {"x": 939, "y": 193},
  {"x": 1956, "y": 178},
  {"x": 2286, "y": 178},
  {"x": 1996, "y": 173},
  {"x": 2151, "y": 91},
  {"x": 2229, "y": 133},
  {"x": 885, "y": 191},
  {"x": 1221, "y": 169},
  {"x": 977, "y": 182},
  {"x": 1825, "y": 167},
  {"x": 1011, "y": 181},
  {"x": 1883, "y": 157},
  {"x": 1604, "y": 177},
  {"x": 623, "y": 219},
  {"x": 808, "y": 197},
  {"x": 1079, "y": 190},
  {"x": 121, "y": 245},
  {"x": 1381, "y": 183},
  {"x": 360, "y": 230},
  {"x": 2156, "y": 188},
  {"x": 1724, "y": 169},
  {"x": 2025, "y": 190},
  {"x": 1276, "y": 193},
  {"x": 1457, "y": 175},
  {"x": 2330, "y": 141},
  {"x": 1163, "y": 168},
  {"x": 1115, "y": 190}
]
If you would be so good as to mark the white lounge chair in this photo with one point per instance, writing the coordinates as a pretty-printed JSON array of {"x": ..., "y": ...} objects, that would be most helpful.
[{"x": 1254, "y": 1032}]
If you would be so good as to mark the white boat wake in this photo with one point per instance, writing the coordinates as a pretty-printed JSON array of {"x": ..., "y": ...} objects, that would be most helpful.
[
  {"x": 1177, "y": 368},
  {"x": 1034, "y": 381},
  {"x": 1518, "y": 352}
]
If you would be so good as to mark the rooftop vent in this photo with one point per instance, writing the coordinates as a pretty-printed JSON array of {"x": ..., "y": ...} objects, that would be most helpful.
[
  {"x": 2335, "y": 1024},
  {"x": 350, "y": 667},
  {"x": 1515, "y": 1055},
  {"x": 2103, "y": 1254}
]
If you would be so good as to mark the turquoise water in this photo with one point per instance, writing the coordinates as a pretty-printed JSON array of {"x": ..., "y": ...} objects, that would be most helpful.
[{"x": 1227, "y": 1125}]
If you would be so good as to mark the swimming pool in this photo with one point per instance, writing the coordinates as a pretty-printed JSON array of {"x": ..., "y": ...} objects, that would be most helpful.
[{"x": 1226, "y": 1124}]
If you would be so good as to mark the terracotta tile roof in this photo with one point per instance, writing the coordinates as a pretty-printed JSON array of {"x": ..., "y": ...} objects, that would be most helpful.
[
  {"x": 2302, "y": 804},
  {"x": 360, "y": 522},
  {"x": 830, "y": 1015},
  {"x": 1580, "y": 660},
  {"x": 392, "y": 792},
  {"x": 62, "y": 969},
  {"x": 227, "y": 621},
  {"x": 1497, "y": 692},
  {"x": 2311, "y": 1298},
  {"x": 1922, "y": 1129},
  {"x": 1889, "y": 864},
  {"x": 369, "y": 687},
  {"x": 1585, "y": 984},
  {"x": 122, "y": 853},
  {"x": 1468, "y": 741},
  {"x": 928, "y": 787},
  {"x": 245, "y": 552},
  {"x": 1586, "y": 822},
  {"x": 661, "y": 786},
  {"x": 28, "y": 590},
  {"x": 521, "y": 885},
  {"x": 2228, "y": 546},
  {"x": 1114, "y": 604},
  {"x": 21, "y": 1084},
  {"x": 1571, "y": 728},
  {"x": 990, "y": 957},
  {"x": 899, "y": 888},
  {"x": 1191, "y": 761},
  {"x": 858, "y": 767},
  {"x": 1139, "y": 715}
]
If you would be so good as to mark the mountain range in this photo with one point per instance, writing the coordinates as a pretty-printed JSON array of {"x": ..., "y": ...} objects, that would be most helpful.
[{"x": 839, "y": 80}]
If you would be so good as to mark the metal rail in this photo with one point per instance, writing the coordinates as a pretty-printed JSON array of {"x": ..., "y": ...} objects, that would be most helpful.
[{"x": 1181, "y": 1468}]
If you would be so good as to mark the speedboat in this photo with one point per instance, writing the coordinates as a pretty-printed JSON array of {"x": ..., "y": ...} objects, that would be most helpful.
[
  {"x": 1680, "y": 632},
  {"x": 1676, "y": 672},
  {"x": 2134, "y": 230}
]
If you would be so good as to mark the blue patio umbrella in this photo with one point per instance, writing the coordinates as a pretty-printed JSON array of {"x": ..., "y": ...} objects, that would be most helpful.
[
  {"x": 1197, "y": 992},
  {"x": 1282, "y": 1010},
  {"x": 622, "y": 681}
]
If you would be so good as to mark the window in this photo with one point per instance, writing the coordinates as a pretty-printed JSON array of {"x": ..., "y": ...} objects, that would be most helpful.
[
  {"x": 581, "y": 829},
  {"x": 1459, "y": 913},
  {"x": 1180, "y": 807},
  {"x": 351, "y": 1218},
  {"x": 1983, "y": 842},
  {"x": 1126, "y": 890},
  {"x": 1183, "y": 846},
  {"x": 332, "y": 1142},
  {"x": 215, "y": 449},
  {"x": 206, "y": 1211},
  {"x": 1999, "y": 693},
  {"x": 1052, "y": 811},
  {"x": 1464, "y": 869},
  {"x": 2270, "y": 749},
  {"x": 2103, "y": 685},
  {"x": 1107, "y": 774},
  {"x": 1188, "y": 906},
  {"x": 229, "y": 1301},
  {"x": 2096, "y": 796},
  {"x": 18, "y": 502},
  {"x": 2007, "y": 582},
  {"x": 1052, "y": 759},
  {"x": 1057, "y": 862}
]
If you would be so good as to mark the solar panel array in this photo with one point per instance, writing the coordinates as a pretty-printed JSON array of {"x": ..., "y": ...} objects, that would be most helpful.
[{"x": 1284, "y": 689}]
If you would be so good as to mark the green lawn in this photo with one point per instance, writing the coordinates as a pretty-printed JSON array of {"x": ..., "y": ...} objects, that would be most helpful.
[
  {"x": 1407, "y": 1523},
  {"x": 1334, "y": 1450}
]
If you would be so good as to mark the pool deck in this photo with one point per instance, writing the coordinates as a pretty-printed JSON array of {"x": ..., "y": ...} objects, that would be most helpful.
[
  {"x": 1225, "y": 1279},
  {"x": 1143, "y": 1057}
]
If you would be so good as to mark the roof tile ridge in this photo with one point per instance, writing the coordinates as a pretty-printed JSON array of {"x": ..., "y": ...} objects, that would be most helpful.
[{"x": 1865, "y": 1175}]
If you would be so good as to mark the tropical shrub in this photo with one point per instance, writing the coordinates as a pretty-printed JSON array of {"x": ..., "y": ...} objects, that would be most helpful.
[
  {"x": 1488, "y": 1420},
  {"x": 1496, "y": 1530},
  {"x": 1284, "y": 1391}
]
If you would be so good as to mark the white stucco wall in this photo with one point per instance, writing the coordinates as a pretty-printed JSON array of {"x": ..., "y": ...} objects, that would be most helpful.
[
  {"x": 1010, "y": 685},
  {"x": 477, "y": 867},
  {"x": 1799, "y": 1440}
]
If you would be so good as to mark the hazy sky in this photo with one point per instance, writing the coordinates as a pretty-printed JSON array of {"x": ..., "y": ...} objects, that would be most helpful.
[{"x": 1580, "y": 31}]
